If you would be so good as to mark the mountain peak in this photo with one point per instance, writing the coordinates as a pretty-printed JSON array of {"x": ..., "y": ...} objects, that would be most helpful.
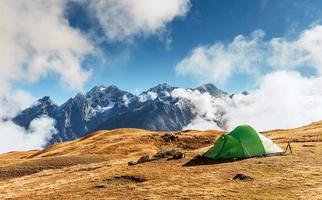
[
  {"x": 105, "y": 96},
  {"x": 208, "y": 86},
  {"x": 97, "y": 88},
  {"x": 161, "y": 87},
  {"x": 101, "y": 88},
  {"x": 46, "y": 100},
  {"x": 164, "y": 85},
  {"x": 211, "y": 89},
  {"x": 110, "y": 107},
  {"x": 162, "y": 90},
  {"x": 111, "y": 88}
]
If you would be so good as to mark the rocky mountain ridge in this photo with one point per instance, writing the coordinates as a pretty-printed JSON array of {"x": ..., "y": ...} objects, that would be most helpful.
[{"x": 108, "y": 107}]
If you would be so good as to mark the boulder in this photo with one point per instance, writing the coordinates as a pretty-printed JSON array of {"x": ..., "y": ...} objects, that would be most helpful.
[
  {"x": 242, "y": 177},
  {"x": 143, "y": 159},
  {"x": 171, "y": 153},
  {"x": 178, "y": 155},
  {"x": 169, "y": 138}
]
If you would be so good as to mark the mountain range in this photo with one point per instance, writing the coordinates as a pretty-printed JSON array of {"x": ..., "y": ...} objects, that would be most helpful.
[{"x": 108, "y": 107}]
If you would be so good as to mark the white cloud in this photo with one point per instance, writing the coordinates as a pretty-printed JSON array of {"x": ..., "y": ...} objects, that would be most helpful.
[
  {"x": 12, "y": 102},
  {"x": 218, "y": 61},
  {"x": 254, "y": 56},
  {"x": 304, "y": 51},
  {"x": 16, "y": 138},
  {"x": 123, "y": 19},
  {"x": 206, "y": 108},
  {"x": 36, "y": 39},
  {"x": 285, "y": 98},
  {"x": 201, "y": 123}
]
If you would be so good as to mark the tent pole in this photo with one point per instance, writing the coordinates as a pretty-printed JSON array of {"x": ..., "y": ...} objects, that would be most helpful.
[{"x": 288, "y": 147}]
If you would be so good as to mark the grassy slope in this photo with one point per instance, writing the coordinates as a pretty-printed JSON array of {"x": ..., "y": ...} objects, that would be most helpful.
[{"x": 81, "y": 169}]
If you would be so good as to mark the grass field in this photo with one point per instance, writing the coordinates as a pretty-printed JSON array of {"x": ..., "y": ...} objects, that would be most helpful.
[{"x": 95, "y": 167}]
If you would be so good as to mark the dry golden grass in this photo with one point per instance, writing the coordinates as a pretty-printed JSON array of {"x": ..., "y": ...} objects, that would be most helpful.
[
  {"x": 17, "y": 154},
  {"x": 308, "y": 133},
  {"x": 14, "y": 156},
  {"x": 91, "y": 167},
  {"x": 31, "y": 166},
  {"x": 127, "y": 143}
]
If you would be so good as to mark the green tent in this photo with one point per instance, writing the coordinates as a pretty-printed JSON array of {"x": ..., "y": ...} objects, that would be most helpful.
[{"x": 242, "y": 142}]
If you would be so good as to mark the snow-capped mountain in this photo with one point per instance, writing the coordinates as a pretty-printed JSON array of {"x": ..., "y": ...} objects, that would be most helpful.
[
  {"x": 108, "y": 107},
  {"x": 43, "y": 106},
  {"x": 211, "y": 89}
]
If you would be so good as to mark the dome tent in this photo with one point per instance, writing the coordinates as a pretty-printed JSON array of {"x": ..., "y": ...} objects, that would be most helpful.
[{"x": 242, "y": 142}]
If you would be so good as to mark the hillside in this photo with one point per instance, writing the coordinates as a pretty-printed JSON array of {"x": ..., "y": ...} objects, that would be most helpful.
[
  {"x": 311, "y": 132},
  {"x": 96, "y": 167}
]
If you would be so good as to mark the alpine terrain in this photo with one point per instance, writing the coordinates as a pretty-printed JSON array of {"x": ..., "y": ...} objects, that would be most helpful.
[{"x": 108, "y": 107}]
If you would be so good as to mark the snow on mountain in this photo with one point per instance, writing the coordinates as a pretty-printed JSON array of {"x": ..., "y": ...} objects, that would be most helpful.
[
  {"x": 211, "y": 89},
  {"x": 107, "y": 107}
]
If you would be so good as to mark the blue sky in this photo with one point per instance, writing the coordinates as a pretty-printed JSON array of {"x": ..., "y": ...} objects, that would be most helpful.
[
  {"x": 146, "y": 61},
  {"x": 270, "y": 48}
]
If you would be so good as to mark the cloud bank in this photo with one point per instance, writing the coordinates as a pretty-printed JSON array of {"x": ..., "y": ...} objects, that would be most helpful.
[
  {"x": 285, "y": 97},
  {"x": 207, "y": 109},
  {"x": 284, "y": 100},
  {"x": 14, "y": 137}
]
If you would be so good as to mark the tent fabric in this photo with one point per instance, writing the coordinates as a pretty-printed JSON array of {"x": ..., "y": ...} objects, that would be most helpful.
[
  {"x": 269, "y": 146},
  {"x": 242, "y": 142}
]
